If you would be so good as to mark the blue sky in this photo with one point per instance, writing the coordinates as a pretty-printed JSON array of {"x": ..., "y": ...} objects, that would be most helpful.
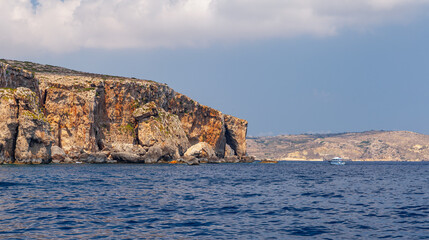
[{"x": 345, "y": 67}]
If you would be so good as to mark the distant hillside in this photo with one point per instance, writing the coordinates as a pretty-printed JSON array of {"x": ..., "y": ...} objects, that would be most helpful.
[{"x": 365, "y": 146}]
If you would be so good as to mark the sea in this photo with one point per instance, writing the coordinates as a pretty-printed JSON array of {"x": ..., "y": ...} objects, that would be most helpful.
[{"x": 288, "y": 200}]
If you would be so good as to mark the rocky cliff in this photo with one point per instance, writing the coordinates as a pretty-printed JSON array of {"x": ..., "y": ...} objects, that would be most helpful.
[
  {"x": 100, "y": 118},
  {"x": 365, "y": 146}
]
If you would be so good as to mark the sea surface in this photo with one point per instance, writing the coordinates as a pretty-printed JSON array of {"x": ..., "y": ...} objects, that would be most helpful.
[{"x": 288, "y": 200}]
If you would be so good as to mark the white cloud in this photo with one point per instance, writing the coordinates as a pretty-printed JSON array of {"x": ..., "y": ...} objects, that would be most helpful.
[{"x": 68, "y": 25}]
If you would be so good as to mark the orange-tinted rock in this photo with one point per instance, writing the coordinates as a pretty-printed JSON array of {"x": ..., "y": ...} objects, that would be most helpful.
[
  {"x": 87, "y": 113},
  {"x": 201, "y": 123},
  {"x": 121, "y": 99},
  {"x": 71, "y": 114}
]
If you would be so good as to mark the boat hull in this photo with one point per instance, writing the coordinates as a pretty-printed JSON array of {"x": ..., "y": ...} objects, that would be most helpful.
[{"x": 337, "y": 163}]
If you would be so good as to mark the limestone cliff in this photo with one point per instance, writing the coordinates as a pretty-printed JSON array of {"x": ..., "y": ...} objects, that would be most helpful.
[
  {"x": 365, "y": 146},
  {"x": 93, "y": 116}
]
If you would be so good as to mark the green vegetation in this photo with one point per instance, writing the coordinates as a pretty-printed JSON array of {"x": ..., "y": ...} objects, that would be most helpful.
[
  {"x": 39, "y": 116},
  {"x": 136, "y": 104},
  {"x": 158, "y": 118},
  {"x": 128, "y": 129},
  {"x": 85, "y": 89},
  {"x": 364, "y": 144},
  {"x": 9, "y": 89}
]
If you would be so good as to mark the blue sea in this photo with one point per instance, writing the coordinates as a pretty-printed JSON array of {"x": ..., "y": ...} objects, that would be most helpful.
[{"x": 288, "y": 200}]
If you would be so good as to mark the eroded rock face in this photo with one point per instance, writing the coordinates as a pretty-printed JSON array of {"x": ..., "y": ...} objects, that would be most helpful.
[
  {"x": 34, "y": 140},
  {"x": 84, "y": 114},
  {"x": 201, "y": 123},
  {"x": 107, "y": 112},
  {"x": 229, "y": 152},
  {"x": 25, "y": 134},
  {"x": 236, "y": 131},
  {"x": 12, "y": 77},
  {"x": 161, "y": 132},
  {"x": 121, "y": 99},
  {"x": 71, "y": 112},
  {"x": 8, "y": 125}
]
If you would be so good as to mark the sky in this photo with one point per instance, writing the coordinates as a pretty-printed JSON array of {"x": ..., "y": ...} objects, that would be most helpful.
[{"x": 286, "y": 66}]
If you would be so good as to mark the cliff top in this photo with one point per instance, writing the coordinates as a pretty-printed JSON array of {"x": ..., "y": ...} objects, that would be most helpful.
[
  {"x": 38, "y": 69},
  {"x": 41, "y": 68},
  {"x": 52, "y": 75}
]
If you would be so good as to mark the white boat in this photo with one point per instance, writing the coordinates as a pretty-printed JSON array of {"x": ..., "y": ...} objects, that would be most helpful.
[{"x": 337, "y": 161}]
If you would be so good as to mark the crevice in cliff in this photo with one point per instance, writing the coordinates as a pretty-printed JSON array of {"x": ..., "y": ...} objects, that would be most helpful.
[
  {"x": 136, "y": 140},
  {"x": 43, "y": 102},
  {"x": 59, "y": 134},
  {"x": 230, "y": 140},
  {"x": 16, "y": 133},
  {"x": 221, "y": 144},
  {"x": 100, "y": 114}
]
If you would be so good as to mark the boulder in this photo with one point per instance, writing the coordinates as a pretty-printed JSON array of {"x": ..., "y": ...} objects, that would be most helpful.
[
  {"x": 127, "y": 157},
  {"x": 131, "y": 148},
  {"x": 247, "y": 159},
  {"x": 215, "y": 160},
  {"x": 153, "y": 155},
  {"x": 193, "y": 162},
  {"x": 99, "y": 157},
  {"x": 201, "y": 150},
  {"x": 59, "y": 156}
]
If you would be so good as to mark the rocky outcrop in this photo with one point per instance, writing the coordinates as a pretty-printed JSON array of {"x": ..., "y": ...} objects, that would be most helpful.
[
  {"x": 34, "y": 140},
  {"x": 25, "y": 134},
  {"x": 236, "y": 131},
  {"x": 201, "y": 150},
  {"x": 128, "y": 120},
  {"x": 161, "y": 132},
  {"x": 59, "y": 156},
  {"x": 229, "y": 152},
  {"x": 13, "y": 77},
  {"x": 201, "y": 123}
]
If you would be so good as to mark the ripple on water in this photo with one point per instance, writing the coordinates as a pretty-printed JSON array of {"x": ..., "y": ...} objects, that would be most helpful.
[
  {"x": 12, "y": 184},
  {"x": 249, "y": 201},
  {"x": 308, "y": 231}
]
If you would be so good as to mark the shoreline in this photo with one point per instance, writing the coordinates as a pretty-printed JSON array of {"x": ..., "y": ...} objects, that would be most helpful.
[{"x": 347, "y": 160}]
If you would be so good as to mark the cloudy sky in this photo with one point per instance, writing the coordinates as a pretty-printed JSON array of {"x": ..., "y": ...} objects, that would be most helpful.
[{"x": 287, "y": 66}]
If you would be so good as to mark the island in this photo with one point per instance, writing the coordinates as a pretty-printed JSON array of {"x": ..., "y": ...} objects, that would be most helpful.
[{"x": 352, "y": 146}]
